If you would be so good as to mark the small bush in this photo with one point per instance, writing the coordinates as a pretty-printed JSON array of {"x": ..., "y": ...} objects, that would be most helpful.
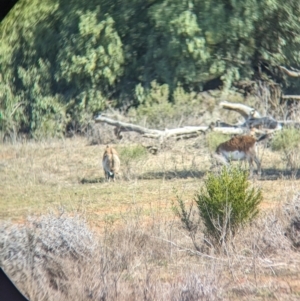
[
  {"x": 154, "y": 106},
  {"x": 129, "y": 155},
  {"x": 132, "y": 152},
  {"x": 288, "y": 138},
  {"x": 159, "y": 107},
  {"x": 226, "y": 202},
  {"x": 213, "y": 139},
  {"x": 287, "y": 141}
]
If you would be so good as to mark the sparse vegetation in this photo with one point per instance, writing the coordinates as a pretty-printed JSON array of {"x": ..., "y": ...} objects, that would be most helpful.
[
  {"x": 132, "y": 152},
  {"x": 292, "y": 211},
  {"x": 287, "y": 141},
  {"x": 120, "y": 241},
  {"x": 130, "y": 155},
  {"x": 213, "y": 139},
  {"x": 57, "y": 257}
]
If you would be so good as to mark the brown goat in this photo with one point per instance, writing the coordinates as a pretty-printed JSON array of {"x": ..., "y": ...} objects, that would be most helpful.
[
  {"x": 110, "y": 163},
  {"x": 239, "y": 148}
]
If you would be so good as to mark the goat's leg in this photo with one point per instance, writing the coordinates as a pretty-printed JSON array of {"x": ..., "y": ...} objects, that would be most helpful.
[
  {"x": 258, "y": 164},
  {"x": 106, "y": 175},
  {"x": 250, "y": 160}
]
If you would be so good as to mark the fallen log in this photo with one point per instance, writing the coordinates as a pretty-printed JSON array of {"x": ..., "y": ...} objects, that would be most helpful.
[
  {"x": 167, "y": 133},
  {"x": 252, "y": 119},
  {"x": 267, "y": 123}
]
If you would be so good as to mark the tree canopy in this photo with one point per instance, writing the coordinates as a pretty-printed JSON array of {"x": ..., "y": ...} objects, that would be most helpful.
[{"x": 62, "y": 61}]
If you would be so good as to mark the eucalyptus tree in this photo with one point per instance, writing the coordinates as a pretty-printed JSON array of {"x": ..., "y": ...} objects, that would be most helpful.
[{"x": 63, "y": 61}]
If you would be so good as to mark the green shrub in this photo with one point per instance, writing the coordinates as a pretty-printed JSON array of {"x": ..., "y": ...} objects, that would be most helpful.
[
  {"x": 287, "y": 141},
  {"x": 226, "y": 202},
  {"x": 130, "y": 156},
  {"x": 161, "y": 107},
  {"x": 213, "y": 139},
  {"x": 154, "y": 106},
  {"x": 288, "y": 138},
  {"x": 132, "y": 152}
]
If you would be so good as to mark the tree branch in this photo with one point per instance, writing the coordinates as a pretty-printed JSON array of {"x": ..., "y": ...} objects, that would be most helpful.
[
  {"x": 287, "y": 97},
  {"x": 242, "y": 109},
  {"x": 290, "y": 72}
]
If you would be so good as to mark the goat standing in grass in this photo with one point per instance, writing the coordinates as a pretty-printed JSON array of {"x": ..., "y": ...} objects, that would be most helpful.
[
  {"x": 240, "y": 148},
  {"x": 110, "y": 163}
]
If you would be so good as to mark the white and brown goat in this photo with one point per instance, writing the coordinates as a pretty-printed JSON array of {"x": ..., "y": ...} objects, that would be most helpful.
[
  {"x": 111, "y": 163},
  {"x": 240, "y": 148}
]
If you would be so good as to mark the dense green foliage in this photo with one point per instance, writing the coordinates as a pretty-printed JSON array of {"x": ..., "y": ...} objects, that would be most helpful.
[
  {"x": 61, "y": 61},
  {"x": 226, "y": 203}
]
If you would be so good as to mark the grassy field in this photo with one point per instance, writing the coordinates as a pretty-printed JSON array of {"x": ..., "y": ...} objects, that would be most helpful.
[{"x": 37, "y": 178}]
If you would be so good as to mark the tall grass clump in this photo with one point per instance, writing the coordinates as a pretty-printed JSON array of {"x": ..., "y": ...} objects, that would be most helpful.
[
  {"x": 226, "y": 202},
  {"x": 287, "y": 141}
]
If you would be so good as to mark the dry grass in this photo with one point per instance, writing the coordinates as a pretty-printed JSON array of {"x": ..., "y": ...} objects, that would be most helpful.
[
  {"x": 129, "y": 245},
  {"x": 68, "y": 173}
]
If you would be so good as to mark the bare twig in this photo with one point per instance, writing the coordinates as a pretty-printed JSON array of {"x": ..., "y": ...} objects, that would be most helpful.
[
  {"x": 189, "y": 250},
  {"x": 17, "y": 105}
]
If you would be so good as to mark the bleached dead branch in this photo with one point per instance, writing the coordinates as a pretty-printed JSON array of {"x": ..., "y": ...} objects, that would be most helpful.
[{"x": 167, "y": 133}]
